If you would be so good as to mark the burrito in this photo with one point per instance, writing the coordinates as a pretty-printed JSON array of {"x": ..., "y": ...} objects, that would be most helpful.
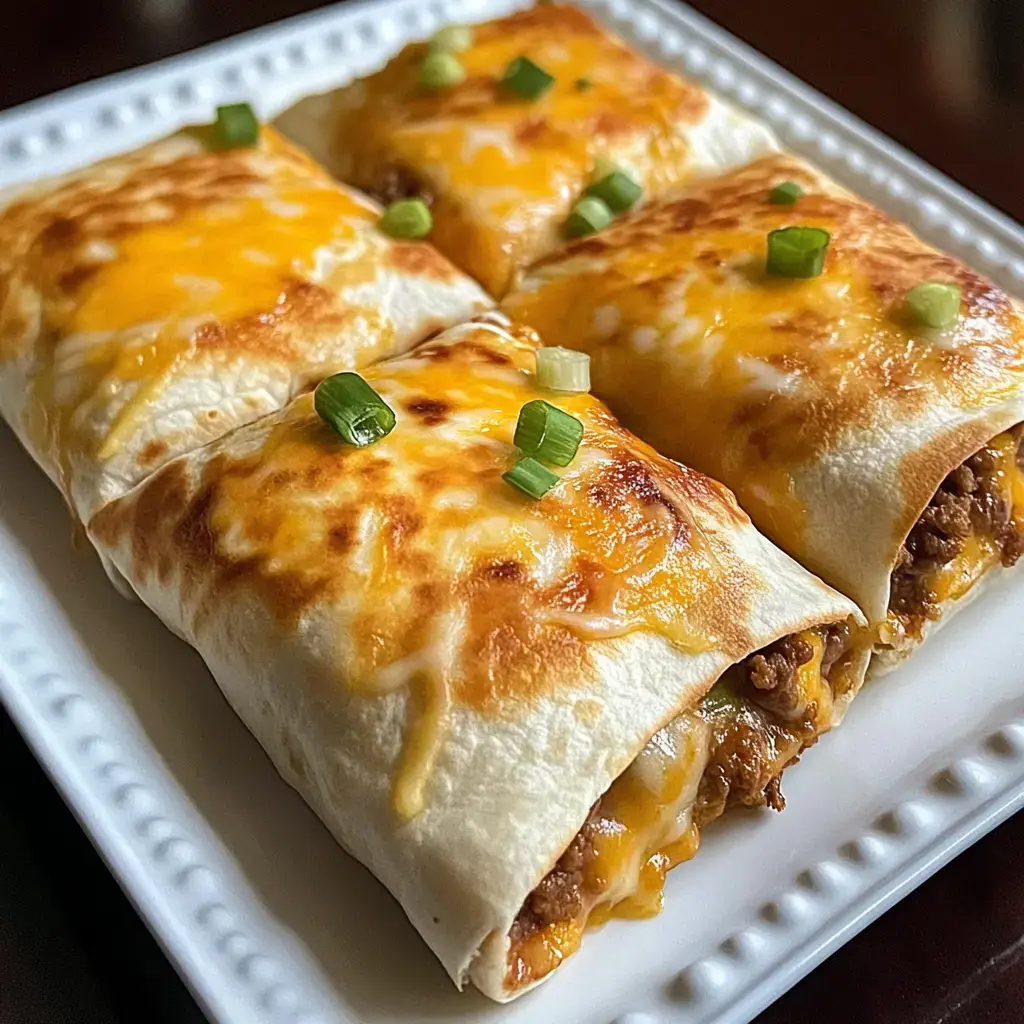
[
  {"x": 517, "y": 708},
  {"x": 502, "y": 127},
  {"x": 860, "y": 392},
  {"x": 152, "y": 302}
]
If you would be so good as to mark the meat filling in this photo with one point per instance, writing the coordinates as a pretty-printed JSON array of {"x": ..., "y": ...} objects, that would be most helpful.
[
  {"x": 974, "y": 502},
  {"x": 752, "y": 736}
]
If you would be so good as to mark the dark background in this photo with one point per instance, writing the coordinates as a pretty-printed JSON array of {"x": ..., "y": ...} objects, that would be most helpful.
[{"x": 945, "y": 78}]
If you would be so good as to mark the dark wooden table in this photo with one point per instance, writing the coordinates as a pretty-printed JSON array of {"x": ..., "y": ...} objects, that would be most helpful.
[{"x": 944, "y": 77}]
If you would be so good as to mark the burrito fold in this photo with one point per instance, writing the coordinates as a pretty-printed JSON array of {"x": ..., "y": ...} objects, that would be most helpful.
[
  {"x": 517, "y": 712},
  {"x": 501, "y": 169},
  {"x": 154, "y": 301},
  {"x": 883, "y": 454}
]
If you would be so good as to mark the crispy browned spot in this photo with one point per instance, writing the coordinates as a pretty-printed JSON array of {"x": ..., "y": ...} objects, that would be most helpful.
[
  {"x": 508, "y": 653},
  {"x": 273, "y": 332},
  {"x": 421, "y": 260},
  {"x": 73, "y": 279},
  {"x": 431, "y": 410},
  {"x": 580, "y": 588},
  {"x": 486, "y": 354},
  {"x": 628, "y": 477},
  {"x": 59, "y": 233},
  {"x": 152, "y": 452}
]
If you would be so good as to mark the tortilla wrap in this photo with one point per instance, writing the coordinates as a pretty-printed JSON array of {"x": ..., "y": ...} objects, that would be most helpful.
[
  {"x": 152, "y": 302},
  {"x": 833, "y": 416},
  {"x": 502, "y": 171},
  {"x": 452, "y": 673}
]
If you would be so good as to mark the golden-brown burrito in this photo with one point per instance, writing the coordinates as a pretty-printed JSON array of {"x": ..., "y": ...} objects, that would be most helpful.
[
  {"x": 882, "y": 452},
  {"x": 502, "y": 168},
  {"x": 518, "y": 712},
  {"x": 152, "y": 302}
]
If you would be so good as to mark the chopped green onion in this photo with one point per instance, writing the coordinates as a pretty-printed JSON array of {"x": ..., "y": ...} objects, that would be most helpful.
[
  {"x": 406, "y": 218},
  {"x": 441, "y": 70},
  {"x": 236, "y": 125},
  {"x": 530, "y": 477},
  {"x": 583, "y": 84},
  {"x": 589, "y": 214},
  {"x": 797, "y": 252},
  {"x": 934, "y": 304},
  {"x": 349, "y": 405},
  {"x": 526, "y": 79},
  {"x": 617, "y": 190},
  {"x": 547, "y": 433},
  {"x": 717, "y": 698},
  {"x": 562, "y": 369},
  {"x": 786, "y": 193},
  {"x": 453, "y": 38}
]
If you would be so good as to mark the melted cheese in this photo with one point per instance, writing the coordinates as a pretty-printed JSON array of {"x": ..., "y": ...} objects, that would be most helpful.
[
  {"x": 646, "y": 829},
  {"x": 218, "y": 262},
  {"x": 957, "y": 577},
  {"x": 504, "y": 172},
  {"x": 483, "y": 593},
  {"x": 647, "y": 826},
  {"x": 749, "y": 377},
  {"x": 814, "y": 688}
]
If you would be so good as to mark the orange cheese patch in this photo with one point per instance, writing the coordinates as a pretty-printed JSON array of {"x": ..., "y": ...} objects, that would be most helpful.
[
  {"x": 750, "y": 377},
  {"x": 445, "y": 580},
  {"x": 504, "y": 171},
  {"x": 218, "y": 262}
]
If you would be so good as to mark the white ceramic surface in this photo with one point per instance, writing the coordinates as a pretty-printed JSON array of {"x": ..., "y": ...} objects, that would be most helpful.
[{"x": 266, "y": 918}]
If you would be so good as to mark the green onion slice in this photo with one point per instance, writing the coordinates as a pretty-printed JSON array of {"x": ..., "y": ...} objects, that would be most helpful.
[
  {"x": 583, "y": 84},
  {"x": 349, "y": 405},
  {"x": 236, "y": 125},
  {"x": 786, "y": 193},
  {"x": 617, "y": 190},
  {"x": 562, "y": 369},
  {"x": 590, "y": 214},
  {"x": 530, "y": 477},
  {"x": 406, "y": 218},
  {"x": 717, "y": 698},
  {"x": 797, "y": 252},
  {"x": 526, "y": 79},
  {"x": 441, "y": 70},
  {"x": 934, "y": 304},
  {"x": 547, "y": 433},
  {"x": 453, "y": 38}
]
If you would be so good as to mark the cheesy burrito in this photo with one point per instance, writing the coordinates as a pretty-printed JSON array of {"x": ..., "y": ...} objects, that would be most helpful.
[
  {"x": 860, "y": 392},
  {"x": 152, "y": 302},
  {"x": 503, "y": 127},
  {"x": 516, "y": 703}
]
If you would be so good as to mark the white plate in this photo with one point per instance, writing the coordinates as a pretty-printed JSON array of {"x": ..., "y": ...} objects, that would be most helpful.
[{"x": 266, "y": 918}]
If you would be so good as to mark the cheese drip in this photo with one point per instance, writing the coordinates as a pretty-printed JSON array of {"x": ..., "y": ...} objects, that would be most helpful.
[{"x": 650, "y": 818}]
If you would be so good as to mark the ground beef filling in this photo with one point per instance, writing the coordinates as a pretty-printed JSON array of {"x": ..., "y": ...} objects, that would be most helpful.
[
  {"x": 559, "y": 897},
  {"x": 749, "y": 747},
  {"x": 970, "y": 501}
]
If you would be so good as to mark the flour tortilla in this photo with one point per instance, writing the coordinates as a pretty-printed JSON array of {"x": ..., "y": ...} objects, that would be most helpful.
[
  {"x": 832, "y": 421},
  {"x": 102, "y": 398},
  {"x": 275, "y": 596}
]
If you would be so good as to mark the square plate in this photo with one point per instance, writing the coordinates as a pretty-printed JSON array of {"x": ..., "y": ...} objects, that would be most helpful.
[{"x": 264, "y": 915}]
